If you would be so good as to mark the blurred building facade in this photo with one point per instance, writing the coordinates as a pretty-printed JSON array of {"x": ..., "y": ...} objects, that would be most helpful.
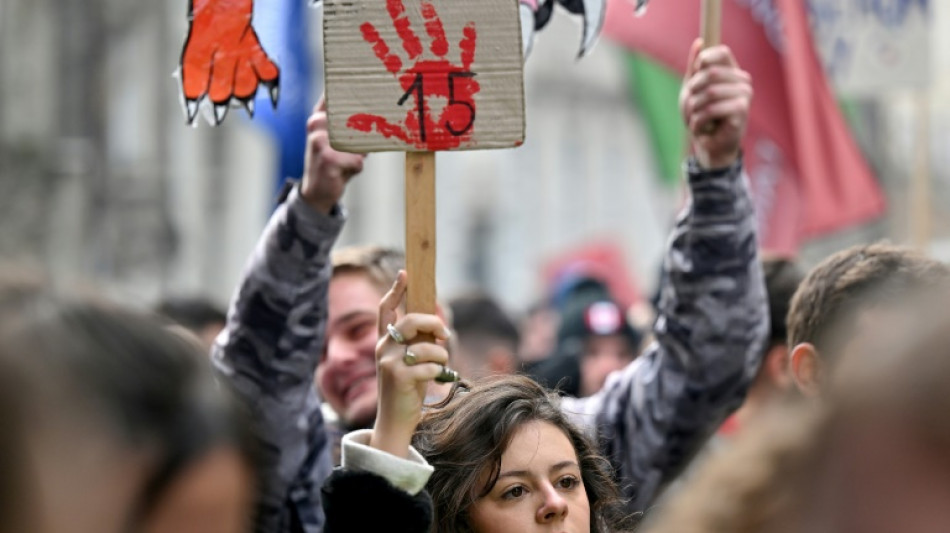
[{"x": 101, "y": 181}]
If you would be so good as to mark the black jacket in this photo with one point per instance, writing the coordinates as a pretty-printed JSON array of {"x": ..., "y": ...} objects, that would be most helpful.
[{"x": 361, "y": 501}]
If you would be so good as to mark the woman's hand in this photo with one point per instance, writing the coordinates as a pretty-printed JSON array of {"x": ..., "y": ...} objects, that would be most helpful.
[{"x": 404, "y": 368}]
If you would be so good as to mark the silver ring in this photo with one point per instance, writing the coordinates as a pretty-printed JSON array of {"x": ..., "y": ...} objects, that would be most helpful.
[
  {"x": 410, "y": 358},
  {"x": 395, "y": 334},
  {"x": 447, "y": 375}
]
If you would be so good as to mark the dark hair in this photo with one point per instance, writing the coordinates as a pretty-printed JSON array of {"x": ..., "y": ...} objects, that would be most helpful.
[
  {"x": 466, "y": 436},
  {"x": 479, "y": 316},
  {"x": 123, "y": 375},
  {"x": 193, "y": 313},
  {"x": 782, "y": 278},
  {"x": 837, "y": 290}
]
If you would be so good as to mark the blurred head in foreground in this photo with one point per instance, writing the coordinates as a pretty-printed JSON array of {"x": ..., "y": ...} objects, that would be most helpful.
[
  {"x": 850, "y": 302},
  {"x": 872, "y": 459},
  {"x": 122, "y": 426},
  {"x": 198, "y": 315}
]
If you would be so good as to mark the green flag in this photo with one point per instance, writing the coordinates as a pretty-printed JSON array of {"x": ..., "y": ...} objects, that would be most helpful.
[{"x": 655, "y": 90}]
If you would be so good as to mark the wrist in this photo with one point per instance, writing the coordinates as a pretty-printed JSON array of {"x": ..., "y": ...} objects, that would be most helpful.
[
  {"x": 716, "y": 162},
  {"x": 318, "y": 202},
  {"x": 321, "y": 205},
  {"x": 393, "y": 441}
]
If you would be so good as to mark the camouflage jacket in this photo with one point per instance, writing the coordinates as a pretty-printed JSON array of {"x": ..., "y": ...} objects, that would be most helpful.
[
  {"x": 650, "y": 417},
  {"x": 712, "y": 324}
]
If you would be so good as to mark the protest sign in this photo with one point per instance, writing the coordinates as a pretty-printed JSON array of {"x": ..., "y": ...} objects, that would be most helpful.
[
  {"x": 869, "y": 47},
  {"x": 389, "y": 87},
  {"x": 423, "y": 76}
]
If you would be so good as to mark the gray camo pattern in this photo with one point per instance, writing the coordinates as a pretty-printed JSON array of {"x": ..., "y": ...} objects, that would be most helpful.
[
  {"x": 650, "y": 418},
  {"x": 712, "y": 326}
]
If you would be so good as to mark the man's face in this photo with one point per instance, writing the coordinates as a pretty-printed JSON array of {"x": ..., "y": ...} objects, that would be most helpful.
[
  {"x": 347, "y": 372},
  {"x": 603, "y": 355}
]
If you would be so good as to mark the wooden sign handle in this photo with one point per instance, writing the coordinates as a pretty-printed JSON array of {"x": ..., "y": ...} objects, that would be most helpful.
[
  {"x": 420, "y": 233},
  {"x": 712, "y": 23},
  {"x": 711, "y": 33}
]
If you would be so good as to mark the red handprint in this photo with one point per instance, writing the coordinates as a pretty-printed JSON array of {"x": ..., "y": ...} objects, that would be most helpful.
[
  {"x": 424, "y": 80},
  {"x": 223, "y": 59}
]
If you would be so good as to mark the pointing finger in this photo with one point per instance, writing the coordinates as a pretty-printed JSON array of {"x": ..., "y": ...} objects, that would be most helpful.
[{"x": 390, "y": 303}]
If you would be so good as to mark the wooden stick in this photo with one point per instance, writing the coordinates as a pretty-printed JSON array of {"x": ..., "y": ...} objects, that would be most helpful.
[
  {"x": 420, "y": 232},
  {"x": 712, "y": 23},
  {"x": 921, "y": 206},
  {"x": 711, "y": 33}
]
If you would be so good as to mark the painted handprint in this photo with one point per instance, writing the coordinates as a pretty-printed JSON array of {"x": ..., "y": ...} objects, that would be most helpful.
[
  {"x": 424, "y": 81},
  {"x": 223, "y": 59}
]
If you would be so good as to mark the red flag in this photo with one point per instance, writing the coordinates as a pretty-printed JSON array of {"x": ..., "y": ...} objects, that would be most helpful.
[{"x": 809, "y": 177}]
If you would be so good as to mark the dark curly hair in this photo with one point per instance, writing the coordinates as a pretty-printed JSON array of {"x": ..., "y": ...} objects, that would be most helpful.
[{"x": 466, "y": 435}]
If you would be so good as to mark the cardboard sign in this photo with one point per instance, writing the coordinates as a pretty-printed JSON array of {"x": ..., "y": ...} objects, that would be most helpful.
[
  {"x": 411, "y": 75},
  {"x": 870, "y": 48}
]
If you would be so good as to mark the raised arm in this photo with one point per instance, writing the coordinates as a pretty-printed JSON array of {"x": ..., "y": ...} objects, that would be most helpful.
[
  {"x": 274, "y": 337},
  {"x": 713, "y": 319}
]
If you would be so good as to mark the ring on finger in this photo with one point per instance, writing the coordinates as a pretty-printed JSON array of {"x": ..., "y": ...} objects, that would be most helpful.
[
  {"x": 395, "y": 334},
  {"x": 447, "y": 375},
  {"x": 410, "y": 358}
]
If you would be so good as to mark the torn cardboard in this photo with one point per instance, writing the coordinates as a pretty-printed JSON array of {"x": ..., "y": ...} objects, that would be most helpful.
[{"x": 406, "y": 75}]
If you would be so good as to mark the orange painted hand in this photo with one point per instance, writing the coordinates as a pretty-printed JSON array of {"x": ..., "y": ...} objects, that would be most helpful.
[
  {"x": 424, "y": 79},
  {"x": 223, "y": 59}
]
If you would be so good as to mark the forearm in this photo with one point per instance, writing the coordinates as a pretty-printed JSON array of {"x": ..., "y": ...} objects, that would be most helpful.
[
  {"x": 271, "y": 346},
  {"x": 712, "y": 321},
  {"x": 713, "y": 314}
]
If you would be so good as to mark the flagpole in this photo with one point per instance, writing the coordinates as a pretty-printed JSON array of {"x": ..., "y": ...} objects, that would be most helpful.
[
  {"x": 921, "y": 207},
  {"x": 711, "y": 33},
  {"x": 712, "y": 23}
]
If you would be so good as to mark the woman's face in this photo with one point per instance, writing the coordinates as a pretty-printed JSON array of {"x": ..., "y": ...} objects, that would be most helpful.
[{"x": 539, "y": 487}]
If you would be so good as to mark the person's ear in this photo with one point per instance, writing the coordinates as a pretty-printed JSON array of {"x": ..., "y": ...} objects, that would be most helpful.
[
  {"x": 806, "y": 369},
  {"x": 776, "y": 367}
]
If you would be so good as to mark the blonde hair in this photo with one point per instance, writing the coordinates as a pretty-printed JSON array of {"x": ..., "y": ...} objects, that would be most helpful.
[{"x": 379, "y": 264}]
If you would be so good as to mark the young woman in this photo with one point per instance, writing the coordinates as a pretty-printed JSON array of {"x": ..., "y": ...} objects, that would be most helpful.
[{"x": 497, "y": 457}]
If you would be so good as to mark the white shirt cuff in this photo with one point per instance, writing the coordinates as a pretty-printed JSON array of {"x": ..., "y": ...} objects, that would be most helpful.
[{"x": 410, "y": 475}]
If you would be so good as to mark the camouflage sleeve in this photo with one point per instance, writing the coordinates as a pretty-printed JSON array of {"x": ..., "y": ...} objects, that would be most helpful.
[
  {"x": 712, "y": 324},
  {"x": 268, "y": 354}
]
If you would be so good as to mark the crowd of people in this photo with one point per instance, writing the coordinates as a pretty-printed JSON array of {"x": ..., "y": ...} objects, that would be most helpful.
[{"x": 760, "y": 398}]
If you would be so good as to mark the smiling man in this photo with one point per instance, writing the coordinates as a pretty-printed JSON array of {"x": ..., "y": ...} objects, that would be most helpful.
[{"x": 346, "y": 376}]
